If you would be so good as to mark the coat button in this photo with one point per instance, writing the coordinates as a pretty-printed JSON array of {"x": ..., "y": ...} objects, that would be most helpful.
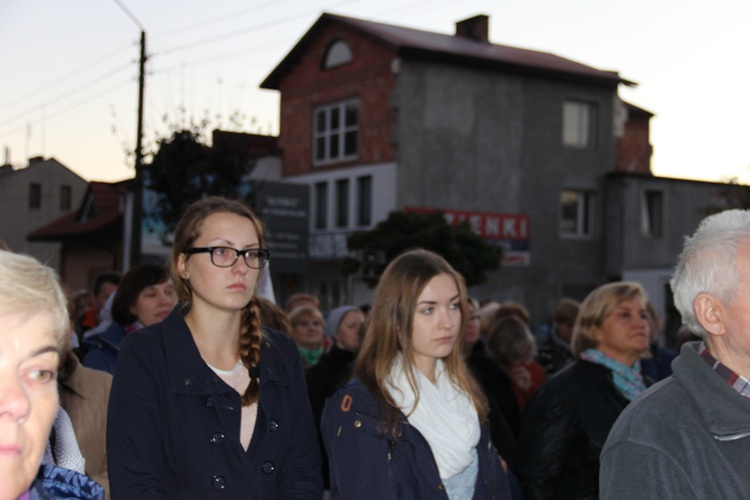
[
  {"x": 268, "y": 467},
  {"x": 219, "y": 482},
  {"x": 357, "y": 424},
  {"x": 273, "y": 426},
  {"x": 441, "y": 487},
  {"x": 209, "y": 401},
  {"x": 188, "y": 381},
  {"x": 217, "y": 438}
]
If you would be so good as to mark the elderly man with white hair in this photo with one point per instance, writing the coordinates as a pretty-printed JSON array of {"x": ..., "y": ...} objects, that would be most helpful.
[{"x": 688, "y": 437}]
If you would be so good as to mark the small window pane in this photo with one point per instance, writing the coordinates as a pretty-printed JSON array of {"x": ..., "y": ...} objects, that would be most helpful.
[
  {"x": 350, "y": 143},
  {"x": 335, "y": 123},
  {"x": 35, "y": 195},
  {"x": 321, "y": 119},
  {"x": 351, "y": 115},
  {"x": 334, "y": 147}
]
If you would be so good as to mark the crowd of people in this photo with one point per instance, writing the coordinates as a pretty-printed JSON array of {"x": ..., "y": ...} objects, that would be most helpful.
[{"x": 178, "y": 380}]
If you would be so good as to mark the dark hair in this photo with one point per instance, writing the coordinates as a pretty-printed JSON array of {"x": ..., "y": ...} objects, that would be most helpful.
[
  {"x": 105, "y": 277},
  {"x": 188, "y": 230},
  {"x": 133, "y": 283},
  {"x": 273, "y": 316}
]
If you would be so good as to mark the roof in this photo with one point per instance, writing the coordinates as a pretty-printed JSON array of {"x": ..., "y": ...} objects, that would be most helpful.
[
  {"x": 34, "y": 164},
  {"x": 100, "y": 210},
  {"x": 449, "y": 48}
]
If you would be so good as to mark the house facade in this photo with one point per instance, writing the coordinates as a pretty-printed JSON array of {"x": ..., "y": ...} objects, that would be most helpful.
[
  {"x": 33, "y": 196},
  {"x": 376, "y": 118}
]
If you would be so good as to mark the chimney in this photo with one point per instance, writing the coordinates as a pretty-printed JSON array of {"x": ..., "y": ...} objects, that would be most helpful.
[{"x": 474, "y": 28}]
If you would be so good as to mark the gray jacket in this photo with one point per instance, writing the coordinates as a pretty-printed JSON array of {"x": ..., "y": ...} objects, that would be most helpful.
[{"x": 687, "y": 437}]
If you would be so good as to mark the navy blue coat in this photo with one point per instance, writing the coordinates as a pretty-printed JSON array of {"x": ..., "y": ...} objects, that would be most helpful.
[
  {"x": 366, "y": 462},
  {"x": 173, "y": 427}
]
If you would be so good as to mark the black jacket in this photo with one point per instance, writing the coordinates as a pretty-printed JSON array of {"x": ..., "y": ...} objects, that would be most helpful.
[
  {"x": 564, "y": 427},
  {"x": 504, "y": 417},
  {"x": 323, "y": 379},
  {"x": 173, "y": 427}
]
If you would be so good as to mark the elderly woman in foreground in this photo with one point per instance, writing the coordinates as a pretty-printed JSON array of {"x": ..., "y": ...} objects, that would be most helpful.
[
  {"x": 569, "y": 417},
  {"x": 34, "y": 315}
]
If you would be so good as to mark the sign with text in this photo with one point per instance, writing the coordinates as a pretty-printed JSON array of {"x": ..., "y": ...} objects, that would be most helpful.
[{"x": 510, "y": 231}]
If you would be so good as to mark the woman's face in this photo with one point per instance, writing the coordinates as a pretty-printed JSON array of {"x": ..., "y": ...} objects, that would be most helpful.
[
  {"x": 28, "y": 398},
  {"x": 349, "y": 334},
  {"x": 471, "y": 330},
  {"x": 308, "y": 331},
  {"x": 624, "y": 333},
  {"x": 437, "y": 321},
  {"x": 155, "y": 302},
  {"x": 221, "y": 288}
]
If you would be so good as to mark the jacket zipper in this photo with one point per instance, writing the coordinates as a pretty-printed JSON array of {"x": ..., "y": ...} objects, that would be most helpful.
[{"x": 733, "y": 437}]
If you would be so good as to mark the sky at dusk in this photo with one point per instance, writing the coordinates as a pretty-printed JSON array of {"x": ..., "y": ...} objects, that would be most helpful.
[{"x": 70, "y": 68}]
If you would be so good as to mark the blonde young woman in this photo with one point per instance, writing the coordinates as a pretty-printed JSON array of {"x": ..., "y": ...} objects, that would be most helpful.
[
  {"x": 412, "y": 424},
  {"x": 209, "y": 403}
]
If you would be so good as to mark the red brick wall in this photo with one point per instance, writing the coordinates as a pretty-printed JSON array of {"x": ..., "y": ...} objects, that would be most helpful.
[
  {"x": 368, "y": 77},
  {"x": 633, "y": 148}
]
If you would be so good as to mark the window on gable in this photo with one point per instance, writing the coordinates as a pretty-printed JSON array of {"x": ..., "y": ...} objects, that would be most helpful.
[
  {"x": 321, "y": 205},
  {"x": 364, "y": 200},
  {"x": 335, "y": 133},
  {"x": 338, "y": 54},
  {"x": 342, "y": 202},
  {"x": 66, "y": 198},
  {"x": 652, "y": 214},
  {"x": 577, "y": 213},
  {"x": 35, "y": 195},
  {"x": 579, "y": 122}
]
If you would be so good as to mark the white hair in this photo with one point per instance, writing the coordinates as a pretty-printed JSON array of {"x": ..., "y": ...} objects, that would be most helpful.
[
  {"x": 708, "y": 263},
  {"x": 29, "y": 288}
]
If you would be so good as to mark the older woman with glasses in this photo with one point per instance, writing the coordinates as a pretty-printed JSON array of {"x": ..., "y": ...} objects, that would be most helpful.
[
  {"x": 209, "y": 402},
  {"x": 569, "y": 417}
]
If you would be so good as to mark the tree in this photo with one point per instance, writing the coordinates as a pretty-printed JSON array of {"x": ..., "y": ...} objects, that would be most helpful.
[
  {"x": 731, "y": 195},
  {"x": 185, "y": 169},
  {"x": 465, "y": 250}
]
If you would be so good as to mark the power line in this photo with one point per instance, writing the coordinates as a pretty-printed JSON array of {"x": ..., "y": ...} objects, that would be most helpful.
[{"x": 68, "y": 93}]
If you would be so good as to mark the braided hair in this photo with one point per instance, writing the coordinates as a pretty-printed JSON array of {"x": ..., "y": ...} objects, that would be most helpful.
[{"x": 188, "y": 229}]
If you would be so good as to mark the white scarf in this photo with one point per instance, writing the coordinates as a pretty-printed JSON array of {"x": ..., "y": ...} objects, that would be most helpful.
[{"x": 445, "y": 415}]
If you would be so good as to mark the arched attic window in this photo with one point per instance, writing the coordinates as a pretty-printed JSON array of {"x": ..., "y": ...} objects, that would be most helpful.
[{"x": 337, "y": 54}]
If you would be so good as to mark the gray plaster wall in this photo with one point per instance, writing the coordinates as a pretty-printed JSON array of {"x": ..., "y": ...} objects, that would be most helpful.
[{"x": 473, "y": 139}]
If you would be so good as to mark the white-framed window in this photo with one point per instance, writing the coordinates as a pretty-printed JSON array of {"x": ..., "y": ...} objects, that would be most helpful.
[
  {"x": 342, "y": 202},
  {"x": 652, "y": 213},
  {"x": 577, "y": 211},
  {"x": 337, "y": 54},
  {"x": 321, "y": 205},
  {"x": 335, "y": 132},
  {"x": 579, "y": 122}
]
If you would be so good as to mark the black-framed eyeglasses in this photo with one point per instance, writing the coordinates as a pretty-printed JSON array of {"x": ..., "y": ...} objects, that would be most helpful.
[{"x": 255, "y": 258}]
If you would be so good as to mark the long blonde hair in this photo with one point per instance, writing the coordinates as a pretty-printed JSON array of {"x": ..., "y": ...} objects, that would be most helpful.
[{"x": 390, "y": 326}]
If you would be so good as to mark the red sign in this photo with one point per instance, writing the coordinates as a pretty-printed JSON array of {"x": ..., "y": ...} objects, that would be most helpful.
[{"x": 511, "y": 231}]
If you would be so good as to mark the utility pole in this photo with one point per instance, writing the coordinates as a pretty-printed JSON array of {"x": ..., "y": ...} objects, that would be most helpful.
[
  {"x": 132, "y": 251},
  {"x": 135, "y": 241}
]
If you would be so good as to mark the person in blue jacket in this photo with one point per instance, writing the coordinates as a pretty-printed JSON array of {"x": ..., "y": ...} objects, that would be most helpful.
[
  {"x": 146, "y": 295},
  {"x": 208, "y": 403},
  {"x": 413, "y": 422}
]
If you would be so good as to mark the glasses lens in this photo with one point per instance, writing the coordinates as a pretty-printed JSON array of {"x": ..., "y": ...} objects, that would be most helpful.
[
  {"x": 223, "y": 257},
  {"x": 256, "y": 259}
]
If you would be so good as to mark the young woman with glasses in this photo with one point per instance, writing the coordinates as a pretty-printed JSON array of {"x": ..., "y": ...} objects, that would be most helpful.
[{"x": 208, "y": 402}]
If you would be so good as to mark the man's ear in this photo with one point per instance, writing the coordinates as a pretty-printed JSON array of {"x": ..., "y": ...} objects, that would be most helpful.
[{"x": 710, "y": 314}]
